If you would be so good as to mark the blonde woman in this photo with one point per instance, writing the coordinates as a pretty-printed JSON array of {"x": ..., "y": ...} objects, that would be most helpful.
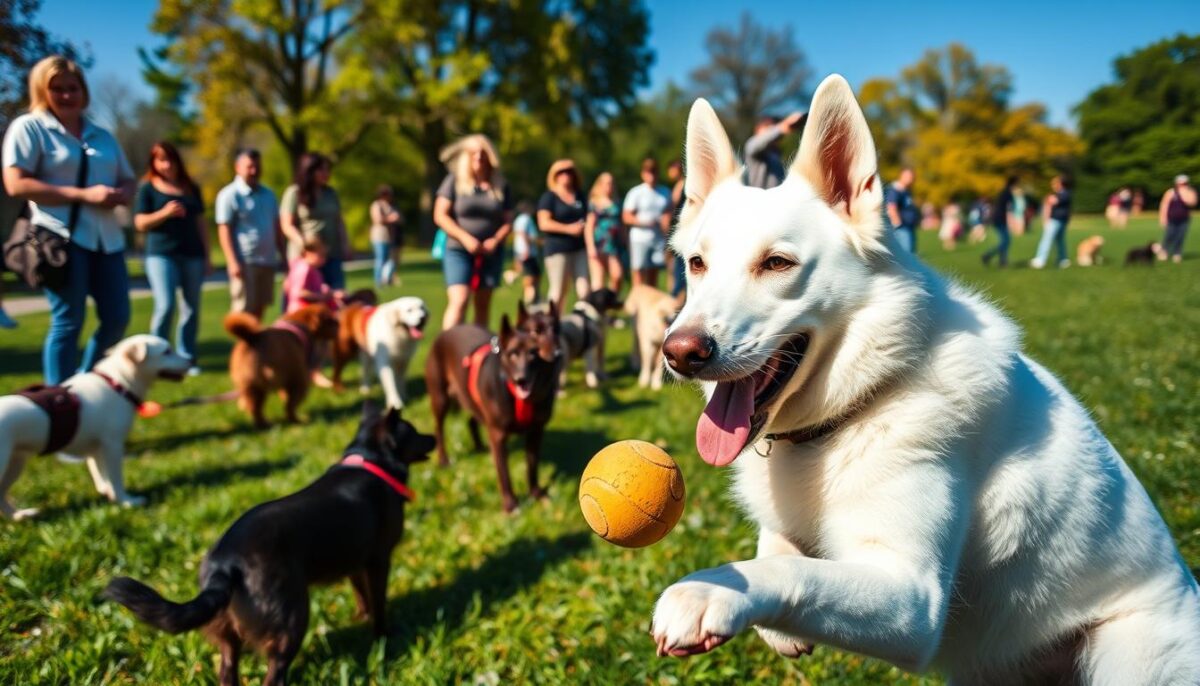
[
  {"x": 562, "y": 218},
  {"x": 605, "y": 234},
  {"x": 474, "y": 208},
  {"x": 44, "y": 163}
]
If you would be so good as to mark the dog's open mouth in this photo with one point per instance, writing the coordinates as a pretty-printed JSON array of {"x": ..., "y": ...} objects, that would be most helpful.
[
  {"x": 416, "y": 332},
  {"x": 172, "y": 375},
  {"x": 522, "y": 388},
  {"x": 738, "y": 409}
]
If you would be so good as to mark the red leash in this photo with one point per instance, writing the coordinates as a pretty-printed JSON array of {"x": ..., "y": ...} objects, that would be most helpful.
[
  {"x": 477, "y": 273},
  {"x": 522, "y": 408},
  {"x": 362, "y": 463}
]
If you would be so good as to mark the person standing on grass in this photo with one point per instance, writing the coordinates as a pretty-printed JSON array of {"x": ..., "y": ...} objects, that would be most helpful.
[
  {"x": 527, "y": 252},
  {"x": 562, "y": 219},
  {"x": 386, "y": 223},
  {"x": 678, "y": 280},
  {"x": 168, "y": 209},
  {"x": 310, "y": 208},
  {"x": 1175, "y": 214},
  {"x": 474, "y": 209},
  {"x": 764, "y": 157},
  {"x": 647, "y": 213},
  {"x": 74, "y": 175},
  {"x": 1056, "y": 212},
  {"x": 607, "y": 232},
  {"x": 1001, "y": 211},
  {"x": 902, "y": 212},
  {"x": 248, "y": 229}
]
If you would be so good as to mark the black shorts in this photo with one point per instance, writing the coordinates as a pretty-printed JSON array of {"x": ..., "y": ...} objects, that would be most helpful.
[{"x": 530, "y": 266}]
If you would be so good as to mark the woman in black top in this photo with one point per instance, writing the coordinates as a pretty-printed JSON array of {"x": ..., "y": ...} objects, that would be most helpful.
[
  {"x": 562, "y": 217},
  {"x": 171, "y": 214}
]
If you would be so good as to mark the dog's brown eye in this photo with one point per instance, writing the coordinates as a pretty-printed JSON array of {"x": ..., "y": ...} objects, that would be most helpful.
[
  {"x": 777, "y": 263},
  {"x": 696, "y": 264}
]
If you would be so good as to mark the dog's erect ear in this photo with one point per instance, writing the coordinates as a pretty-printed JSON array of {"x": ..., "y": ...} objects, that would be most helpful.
[
  {"x": 137, "y": 351},
  {"x": 837, "y": 157},
  {"x": 506, "y": 330},
  {"x": 522, "y": 313},
  {"x": 708, "y": 153}
]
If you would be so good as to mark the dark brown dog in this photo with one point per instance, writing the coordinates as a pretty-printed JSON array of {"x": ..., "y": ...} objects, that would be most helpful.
[
  {"x": 1146, "y": 255},
  {"x": 255, "y": 579},
  {"x": 508, "y": 383},
  {"x": 276, "y": 358}
]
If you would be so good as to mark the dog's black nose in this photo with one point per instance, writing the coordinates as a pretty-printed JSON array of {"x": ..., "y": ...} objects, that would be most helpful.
[{"x": 688, "y": 350}]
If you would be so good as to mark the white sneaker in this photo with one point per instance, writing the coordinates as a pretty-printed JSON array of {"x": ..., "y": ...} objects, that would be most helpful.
[
  {"x": 1063, "y": 264},
  {"x": 7, "y": 322},
  {"x": 1035, "y": 263}
]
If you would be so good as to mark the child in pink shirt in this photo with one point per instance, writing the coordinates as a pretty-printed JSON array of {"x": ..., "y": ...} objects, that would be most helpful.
[{"x": 304, "y": 284}]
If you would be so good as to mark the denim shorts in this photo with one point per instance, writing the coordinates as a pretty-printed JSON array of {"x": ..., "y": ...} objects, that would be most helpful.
[
  {"x": 457, "y": 266},
  {"x": 646, "y": 248}
]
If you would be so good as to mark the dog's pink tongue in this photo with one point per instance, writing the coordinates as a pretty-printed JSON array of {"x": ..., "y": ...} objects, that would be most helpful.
[{"x": 724, "y": 427}]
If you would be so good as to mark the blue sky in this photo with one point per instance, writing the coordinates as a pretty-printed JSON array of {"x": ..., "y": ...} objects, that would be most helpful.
[{"x": 1057, "y": 51}]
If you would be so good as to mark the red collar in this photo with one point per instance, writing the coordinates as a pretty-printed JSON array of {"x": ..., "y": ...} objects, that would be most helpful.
[
  {"x": 121, "y": 390},
  {"x": 359, "y": 461},
  {"x": 522, "y": 407},
  {"x": 368, "y": 312}
]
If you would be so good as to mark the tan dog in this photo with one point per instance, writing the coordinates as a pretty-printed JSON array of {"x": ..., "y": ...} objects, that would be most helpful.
[
  {"x": 1088, "y": 252},
  {"x": 107, "y": 399},
  {"x": 276, "y": 358},
  {"x": 653, "y": 311}
]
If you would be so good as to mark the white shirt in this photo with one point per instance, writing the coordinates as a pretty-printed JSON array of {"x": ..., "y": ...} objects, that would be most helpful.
[
  {"x": 648, "y": 203},
  {"x": 251, "y": 214},
  {"x": 39, "y": 144}
]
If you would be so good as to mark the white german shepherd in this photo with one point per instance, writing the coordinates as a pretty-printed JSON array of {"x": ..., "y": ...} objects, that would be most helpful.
[{"x": 925, "y": 493}]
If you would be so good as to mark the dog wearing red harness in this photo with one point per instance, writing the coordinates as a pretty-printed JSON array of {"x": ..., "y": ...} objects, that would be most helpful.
[
  {"x": 276, "y": 358},
  {"x": 385, "y": 338},
  {"x": 89, "y": 415},
  {"x": 254, "y": 582},
  {"x": 507, "y": 383}
]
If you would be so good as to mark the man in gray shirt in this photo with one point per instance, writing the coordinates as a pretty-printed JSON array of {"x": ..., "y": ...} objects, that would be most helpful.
[
  {"x": 764, "y": 161},
  {"x": 248, "y": 229}
]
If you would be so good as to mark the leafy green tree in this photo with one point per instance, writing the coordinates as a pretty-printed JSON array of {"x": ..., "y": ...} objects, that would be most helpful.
[
  {"x": 752, "y": 70},
  {"x": 952, "y": 120},
  {"x": 532, "y": 74},
  {"x": 1144, "y": 127}
]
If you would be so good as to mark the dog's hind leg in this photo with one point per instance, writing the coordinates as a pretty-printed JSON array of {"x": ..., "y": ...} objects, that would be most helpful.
[
  {"x": 12, "y": 465},
  {"x": 282, "y": 647},
  {"x": 229, "y": 643},
  {"x": 294, "y": 397}
]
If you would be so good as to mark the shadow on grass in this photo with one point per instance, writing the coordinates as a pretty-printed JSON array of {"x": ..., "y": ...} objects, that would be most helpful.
[
  {"x": 520, "y": 565},
  {"x": 569, "y": 451},
  {"x": 175, "y": 441},
  {"x": 212, "y": 476}
]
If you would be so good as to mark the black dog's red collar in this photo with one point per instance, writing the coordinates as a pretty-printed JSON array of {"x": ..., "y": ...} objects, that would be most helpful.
[
  {"x": 359, "y": 461},
  {"x": 121, "y": 390}
]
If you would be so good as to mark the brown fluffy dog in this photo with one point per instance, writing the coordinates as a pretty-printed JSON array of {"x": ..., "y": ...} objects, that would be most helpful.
[
  {"x": 1088, "y": 252},
  {"x": 507, "y": 383},
  {"x": 276, "y": 358}
]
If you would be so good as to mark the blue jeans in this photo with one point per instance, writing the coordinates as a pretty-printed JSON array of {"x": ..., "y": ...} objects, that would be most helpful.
[
  {"x": 1055, "y": 232},
  {"x": 167, "y": 274},
  {"x": 105, "y": 278},
  {"x": 906, "y": 236},
  {"x": 333, "y": 273},
  {"x": 385, "y": 264},
  {"x": 1001, "y": 248}
]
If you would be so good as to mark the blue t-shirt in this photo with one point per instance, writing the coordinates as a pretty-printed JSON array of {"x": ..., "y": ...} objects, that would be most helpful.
[{"x": 908, "y": 211}]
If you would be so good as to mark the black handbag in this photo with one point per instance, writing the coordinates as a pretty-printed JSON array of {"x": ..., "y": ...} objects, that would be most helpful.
[{"x": 40, "y": 255}]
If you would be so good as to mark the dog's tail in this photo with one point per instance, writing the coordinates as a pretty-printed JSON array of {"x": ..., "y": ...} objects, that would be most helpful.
[
  {"x": 157, "y": 611},
  {"x": 242, "y": 325}
]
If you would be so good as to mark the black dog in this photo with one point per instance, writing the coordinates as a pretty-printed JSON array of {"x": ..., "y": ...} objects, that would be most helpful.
[
  {"x": 1145, "y": 255},
  {"x": 582, "y": 334},
  {"x": 255, "y": 579}
]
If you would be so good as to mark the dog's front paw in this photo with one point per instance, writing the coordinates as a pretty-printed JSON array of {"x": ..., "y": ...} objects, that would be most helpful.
[
  {"x": 784, "y": 644},
  {"x": 700, "y": 613}
]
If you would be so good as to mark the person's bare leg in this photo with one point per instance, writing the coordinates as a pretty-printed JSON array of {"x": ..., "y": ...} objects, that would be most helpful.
[{"x": 456, "y": 305}]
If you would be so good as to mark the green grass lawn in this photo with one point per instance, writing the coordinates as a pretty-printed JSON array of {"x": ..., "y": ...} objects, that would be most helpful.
[{"x": 479, "y": 597}]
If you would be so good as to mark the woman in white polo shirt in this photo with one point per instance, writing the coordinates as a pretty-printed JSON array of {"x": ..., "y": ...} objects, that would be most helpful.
[
  {"x": 647, "y": 212},
  {"x": 43, "y": 152}
]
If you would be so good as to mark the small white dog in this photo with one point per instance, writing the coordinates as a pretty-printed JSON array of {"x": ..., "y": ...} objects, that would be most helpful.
[
  {"x": 108, "y": 398},
  {"x": 385, "y": 337},
  {"x": 925, "y": 493}
]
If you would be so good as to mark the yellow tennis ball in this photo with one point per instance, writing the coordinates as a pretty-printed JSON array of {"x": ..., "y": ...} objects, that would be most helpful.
[{"x": 631, "y": 493}]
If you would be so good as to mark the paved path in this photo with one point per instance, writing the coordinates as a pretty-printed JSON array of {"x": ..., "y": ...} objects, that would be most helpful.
[{"x": 30, "y": 304}]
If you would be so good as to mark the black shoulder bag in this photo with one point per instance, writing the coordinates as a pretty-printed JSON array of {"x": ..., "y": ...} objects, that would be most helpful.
[{"x": 40, "y": 255}]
